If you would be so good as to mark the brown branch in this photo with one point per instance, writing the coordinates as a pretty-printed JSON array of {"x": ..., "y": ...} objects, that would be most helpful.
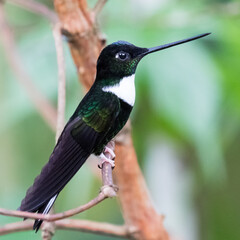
[
  {"x": 93, "y": 227},
  {"x": 72, "y": 224},
  {"x": 43, "y": 106},
  {"x": 57, "y": 216},
  {"x": 37, "y": 8},
  {"x": 107, "y": 191},
  {"x": 16, "y": 227},
  {"x": 85, "y": 44},
  {"x": 61, "y": 79},
  {"x": 84, "y": 9},
  {"x": 98, "y": 7},
  {"x": 48, "y": 228}
]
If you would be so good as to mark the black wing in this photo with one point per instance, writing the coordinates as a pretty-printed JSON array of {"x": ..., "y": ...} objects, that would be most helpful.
[
  {"x": 98, "y": 116},
  {"x": 64, "y": 162}
]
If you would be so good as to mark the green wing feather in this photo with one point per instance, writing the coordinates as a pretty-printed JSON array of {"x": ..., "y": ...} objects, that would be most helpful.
[
  {"x": 96, "y": 117},
  {"x": 100, "y": 111}
]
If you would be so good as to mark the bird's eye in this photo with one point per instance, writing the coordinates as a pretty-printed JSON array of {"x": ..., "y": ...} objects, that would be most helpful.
[{"x": 122, "y": 56}]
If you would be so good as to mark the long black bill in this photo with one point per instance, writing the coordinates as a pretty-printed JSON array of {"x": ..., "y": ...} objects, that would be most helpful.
[{"x": 155, "y": 49}]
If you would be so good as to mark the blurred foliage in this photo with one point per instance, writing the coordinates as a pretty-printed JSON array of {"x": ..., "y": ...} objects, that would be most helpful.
[{"x": 188, "y": 97}]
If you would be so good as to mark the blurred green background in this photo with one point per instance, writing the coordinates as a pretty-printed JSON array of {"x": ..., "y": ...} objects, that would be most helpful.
[{"x": 186, "y": 121}]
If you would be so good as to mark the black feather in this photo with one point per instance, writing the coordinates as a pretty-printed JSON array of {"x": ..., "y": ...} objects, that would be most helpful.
[{"x": 66, "y": 159}]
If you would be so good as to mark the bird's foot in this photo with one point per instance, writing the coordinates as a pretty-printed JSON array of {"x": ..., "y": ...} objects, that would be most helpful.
[
  {"x": 104, "y": 159},
  {"x": 110, "y": 151},
  {"x": 107, "y": 155}
]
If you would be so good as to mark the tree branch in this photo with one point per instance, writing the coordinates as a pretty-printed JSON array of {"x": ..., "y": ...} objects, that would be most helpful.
[
  {"x": 107, "y": 191},
  {"x": 98, "y": 7},
  {"x": 93, "y": 227},
  {"x": 57, "y": 216},
  {"x": 61, "y": 79},
  {"x": 37, "y": 8},
  {"x": 16, "y": 227},
  {"x": 41, "y": 103},
  {"x": 72, "y": 224},
  {"x": 48, "y": 228},
  {"x": 84, "y": 41}
]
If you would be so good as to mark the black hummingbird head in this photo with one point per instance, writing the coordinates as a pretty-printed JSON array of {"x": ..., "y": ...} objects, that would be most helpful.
[
  {"x": 121, "y": 58},
  {"x": 118, "y": 60}
]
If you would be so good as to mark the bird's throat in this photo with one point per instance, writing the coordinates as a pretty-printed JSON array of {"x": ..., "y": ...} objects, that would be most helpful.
[{"x": 124, "y": 90}]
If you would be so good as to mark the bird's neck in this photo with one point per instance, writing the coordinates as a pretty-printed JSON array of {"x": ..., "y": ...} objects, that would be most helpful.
[{"x": 124, "y": 89}]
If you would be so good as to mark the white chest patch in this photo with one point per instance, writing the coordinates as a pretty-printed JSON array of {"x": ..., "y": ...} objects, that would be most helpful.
[{"x": 125, "y": 90}]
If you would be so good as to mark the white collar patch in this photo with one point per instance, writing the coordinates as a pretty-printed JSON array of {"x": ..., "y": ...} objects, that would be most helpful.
[{"x": 125, "y": 89}]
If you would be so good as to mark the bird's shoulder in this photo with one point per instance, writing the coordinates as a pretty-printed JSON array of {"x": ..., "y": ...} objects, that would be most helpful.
[
  {"x": 98, "y": 110},
  {"x": 93, "y": 118}
]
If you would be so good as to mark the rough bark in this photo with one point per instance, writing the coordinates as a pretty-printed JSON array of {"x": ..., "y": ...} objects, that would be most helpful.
[{"x": 79, "y": 27}]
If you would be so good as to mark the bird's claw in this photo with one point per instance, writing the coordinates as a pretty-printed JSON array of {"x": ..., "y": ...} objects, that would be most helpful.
[
  {"x": 104, "y": 159},
  {"x": 110, "y": 151}
]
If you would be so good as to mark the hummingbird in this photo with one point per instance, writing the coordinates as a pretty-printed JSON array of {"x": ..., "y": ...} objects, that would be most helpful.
[{"x": 100, "y": 115}]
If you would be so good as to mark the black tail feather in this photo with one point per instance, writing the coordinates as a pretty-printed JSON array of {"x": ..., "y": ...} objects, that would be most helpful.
[
  {"x": 44, "y": 210},
  {"x": 37, "y": 224},
  {"x": 67, "y": 158}
]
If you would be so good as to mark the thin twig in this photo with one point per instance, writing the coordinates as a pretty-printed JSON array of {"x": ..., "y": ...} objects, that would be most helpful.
[
  {"x": 83, "y": 8},
  {"x": 48, "y": 228},
  {"x": 16, "y": 227},
  {"x": 106, "y": 192},
  {"x": 93, "y": 227},
  {"x": 98, "y": 7},
  {"x": 71, "y": 224},
  {"x": 50, "y": 218},
  {"x": 37, "y": 8},
  {"x": 61, "y": 79},
  {"x": 41, "y": 103}
]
